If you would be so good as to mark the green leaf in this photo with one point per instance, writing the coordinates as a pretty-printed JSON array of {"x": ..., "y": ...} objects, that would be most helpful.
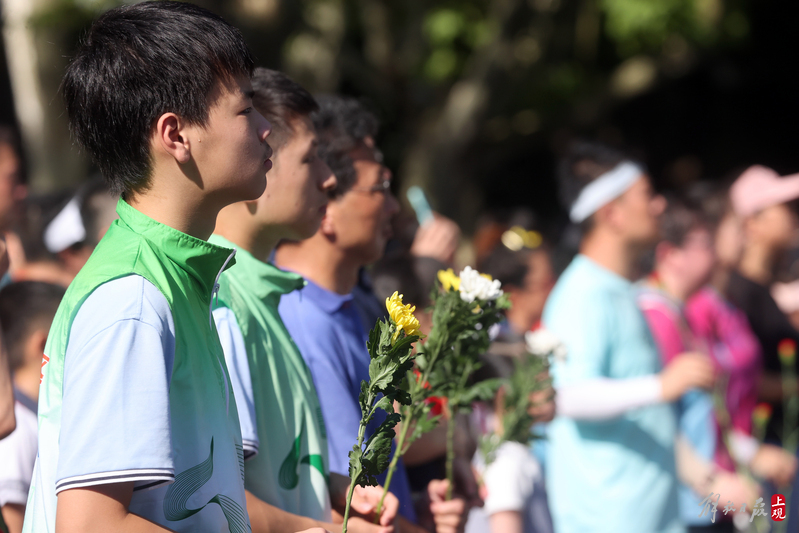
[
  {"x": 483, "y": 390},
  {"x": 385, "y": 404},
  {"x": 377, "y": 455}
]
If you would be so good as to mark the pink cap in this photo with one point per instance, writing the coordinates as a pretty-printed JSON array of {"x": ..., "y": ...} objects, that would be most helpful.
[{"x": 760, "y": 187}]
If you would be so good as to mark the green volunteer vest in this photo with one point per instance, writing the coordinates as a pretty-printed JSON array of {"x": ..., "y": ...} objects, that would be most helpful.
[
  {"x": 208, "y": 491},
  {"x": 290, "y": 469}
]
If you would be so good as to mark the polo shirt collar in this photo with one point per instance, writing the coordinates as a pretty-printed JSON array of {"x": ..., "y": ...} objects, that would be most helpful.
[
  {"x": 328, "y": 301},
  {"x": 265, "y": 280},
  {"x": 200, "y": 259}
]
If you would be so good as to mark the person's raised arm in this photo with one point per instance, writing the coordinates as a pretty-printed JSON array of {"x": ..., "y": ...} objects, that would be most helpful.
[{"x": 605, "y": 398}]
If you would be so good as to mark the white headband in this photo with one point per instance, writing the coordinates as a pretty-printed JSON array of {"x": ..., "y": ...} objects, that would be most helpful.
[{"x": 603, "y": 189}]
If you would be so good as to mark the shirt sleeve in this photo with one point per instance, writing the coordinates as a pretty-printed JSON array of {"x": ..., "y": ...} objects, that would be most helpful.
[
  {"x": 238, "y": 364},
  {"x": 115, "y": 423},
  {"x": 603, "y": 399},
  {"x": 584, "y": 329},
  {"x": 510, "y": 481}
]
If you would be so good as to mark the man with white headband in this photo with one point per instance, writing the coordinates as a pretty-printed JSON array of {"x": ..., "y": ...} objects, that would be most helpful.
[{"x": 610, "y": 465}]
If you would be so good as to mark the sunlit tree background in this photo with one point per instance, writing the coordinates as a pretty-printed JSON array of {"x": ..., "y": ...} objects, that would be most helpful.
[{"x": 478, "y": 97}]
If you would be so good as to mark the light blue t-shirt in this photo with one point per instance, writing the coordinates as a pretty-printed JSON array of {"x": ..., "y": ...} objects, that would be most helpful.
[
  {"x": 126, "y": 436},
  {"x": 614, "y": 475},
  {"x": 329, "y": 333}
]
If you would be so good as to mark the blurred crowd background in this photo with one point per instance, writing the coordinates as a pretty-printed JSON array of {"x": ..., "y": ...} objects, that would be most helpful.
[
  {"x": 478, "y": 102},
  {"x": 478, "y": 98}
]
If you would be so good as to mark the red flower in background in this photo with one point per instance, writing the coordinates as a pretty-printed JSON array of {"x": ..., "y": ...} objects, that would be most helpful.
[
  {"x": 437, "y": 403},
  {"x": 786, "y": 349}
]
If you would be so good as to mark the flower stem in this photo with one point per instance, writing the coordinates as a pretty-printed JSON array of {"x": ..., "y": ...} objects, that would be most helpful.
[
  {"x": 361, "y": 432},
  {"x": 347, "y": 508},
  {"x": 406, "y": 423},
  {"x": 451, "y": 449}
]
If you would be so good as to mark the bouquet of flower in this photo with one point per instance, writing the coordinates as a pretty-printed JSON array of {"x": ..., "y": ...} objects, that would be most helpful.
[
  {"x": 390, "y": 347},
  {"x": 463, "y": 313}
]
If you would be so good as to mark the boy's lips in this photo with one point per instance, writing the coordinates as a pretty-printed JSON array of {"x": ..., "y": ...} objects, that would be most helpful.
[{"x": 268, "y": 160}]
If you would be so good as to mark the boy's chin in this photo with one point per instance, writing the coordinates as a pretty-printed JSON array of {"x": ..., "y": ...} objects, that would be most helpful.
[
  {"x": 252, "y": 189},
  {"x": 303, "y": 230}
]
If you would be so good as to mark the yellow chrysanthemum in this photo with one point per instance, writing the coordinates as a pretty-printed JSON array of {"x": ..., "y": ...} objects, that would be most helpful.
[
  {"x": 402, "y": 316},
  {"x": 449, "y": 280}
]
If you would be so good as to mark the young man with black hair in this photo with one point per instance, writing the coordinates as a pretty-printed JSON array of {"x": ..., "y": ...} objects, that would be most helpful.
[
  {"x": 614, "y": 418},
  {"x": 138, "y": 426},
  {"x": 322, "y": 317},
  {"x": 286, "y": 469},
  {"x": 27, "y": 309}
]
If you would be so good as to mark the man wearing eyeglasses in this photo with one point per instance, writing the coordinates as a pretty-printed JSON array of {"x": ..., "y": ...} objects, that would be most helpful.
[{"x": 322, "y": 317}]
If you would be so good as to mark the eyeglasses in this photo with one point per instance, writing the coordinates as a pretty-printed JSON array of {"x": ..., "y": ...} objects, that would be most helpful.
[{"x": 383, "y": 187}]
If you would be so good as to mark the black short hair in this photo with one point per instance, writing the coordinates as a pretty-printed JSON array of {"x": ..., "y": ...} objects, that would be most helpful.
[
  {"x": 342, "y": 124},
  {"x": 584, "y": 162},
  {"x": 413, "y": 277},
  {"x": 138, "y": 62},
  {"x": 508, "y": 266},
  {"x": 280, "y": 100},
  {"x": 680, "y": 218},
  {"x": 713, "y": 198},
  {"x": 26, "y": 306}
]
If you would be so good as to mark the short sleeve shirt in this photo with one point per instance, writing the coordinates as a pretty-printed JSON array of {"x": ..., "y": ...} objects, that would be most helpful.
[
  {"x": 621, "y": 471},
  {"x": 126, "y": 436}
]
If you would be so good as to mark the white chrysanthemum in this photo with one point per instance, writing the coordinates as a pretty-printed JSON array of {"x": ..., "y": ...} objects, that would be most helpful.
[
  {"x": 475, "y": 286},
  {"x": 542, "y": 343}
]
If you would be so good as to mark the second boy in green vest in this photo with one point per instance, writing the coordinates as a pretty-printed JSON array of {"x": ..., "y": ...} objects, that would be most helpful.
[{"x": 285, "y": 444}]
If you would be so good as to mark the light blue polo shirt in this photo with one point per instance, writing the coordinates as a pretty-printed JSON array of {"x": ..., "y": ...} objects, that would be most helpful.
[
  {"x": 614, "y": 475},
  {"x": 329, "y": 332}
]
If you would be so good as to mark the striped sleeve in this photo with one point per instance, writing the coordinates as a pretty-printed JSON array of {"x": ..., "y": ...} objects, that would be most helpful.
[{"x": 115, "y": 424}]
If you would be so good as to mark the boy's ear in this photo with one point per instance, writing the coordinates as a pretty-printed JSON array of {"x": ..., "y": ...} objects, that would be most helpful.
[{"x": 171, "y": 137}]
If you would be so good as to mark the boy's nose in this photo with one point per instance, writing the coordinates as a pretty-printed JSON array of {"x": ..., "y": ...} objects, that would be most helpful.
[
  {"x": 329, "y": 181},
  {"x": 264, "y": 128},
  {"x": 658, "y": 205}
]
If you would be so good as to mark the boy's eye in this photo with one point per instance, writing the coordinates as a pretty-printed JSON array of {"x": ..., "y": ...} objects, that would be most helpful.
[{"x": 247, "y": 111}]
